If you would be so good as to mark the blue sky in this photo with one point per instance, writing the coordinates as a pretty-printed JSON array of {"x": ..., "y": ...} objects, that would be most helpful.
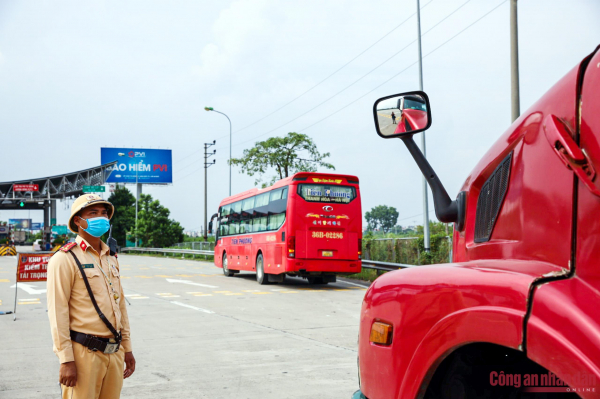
[{"x": 76, "y": 76}]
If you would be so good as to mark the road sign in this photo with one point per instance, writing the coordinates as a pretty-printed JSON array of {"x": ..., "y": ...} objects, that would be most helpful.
[
  {"x": 26, "y": 187},
  {"x": 60, "y": 229},
  {"x": 24, "y": 224},
  {"x": 138, "y": 165},
  {"x": 94, "y": 189}
]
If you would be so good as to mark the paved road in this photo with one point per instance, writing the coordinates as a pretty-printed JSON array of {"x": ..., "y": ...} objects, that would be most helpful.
[{"x": 208, "y": 337}]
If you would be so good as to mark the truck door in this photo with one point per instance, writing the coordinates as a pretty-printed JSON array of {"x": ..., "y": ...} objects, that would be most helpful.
[
  {"x": 563, "y": 332},
  {"x": 588, "y": 209}
]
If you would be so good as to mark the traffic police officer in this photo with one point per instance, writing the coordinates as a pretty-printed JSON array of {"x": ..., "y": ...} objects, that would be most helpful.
[{"x": 90, "y": 332}]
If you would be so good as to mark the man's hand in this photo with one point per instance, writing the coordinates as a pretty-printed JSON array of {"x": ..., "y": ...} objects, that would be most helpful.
[
  {"x": 129, "y": 365},
  {"x": 67, "y": 375}
]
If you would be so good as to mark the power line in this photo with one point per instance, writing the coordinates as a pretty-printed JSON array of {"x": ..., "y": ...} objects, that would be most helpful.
[
  {"x": 360, "y": 78},
  {"x": 319, "y": 83},
  {"x": 333, "y": 73},
  {"x": 405, "y": 69},
  {"x": 397, "y": 74}
]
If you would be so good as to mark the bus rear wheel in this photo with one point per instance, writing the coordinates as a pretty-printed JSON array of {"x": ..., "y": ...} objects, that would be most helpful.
[
  {"x": 261, "y": 277},
  {"x": 226, "y": 270},
  {"x": 316, "y": 280}
]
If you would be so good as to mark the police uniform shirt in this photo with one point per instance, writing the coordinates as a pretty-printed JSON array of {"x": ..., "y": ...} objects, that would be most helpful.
[{"x": 69, "y": 304}]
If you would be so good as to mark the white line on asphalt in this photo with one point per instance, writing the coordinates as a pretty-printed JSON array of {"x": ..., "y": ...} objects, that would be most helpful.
[
  {"x": 358, "y": 285},
  {"x": 192, "y": 307},
  {"x": 30, "y": 288},
  {"x": 170, "y": 280}
]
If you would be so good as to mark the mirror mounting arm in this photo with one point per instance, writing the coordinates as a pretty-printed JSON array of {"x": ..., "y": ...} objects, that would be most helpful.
[{"x": 446, "y": 210}]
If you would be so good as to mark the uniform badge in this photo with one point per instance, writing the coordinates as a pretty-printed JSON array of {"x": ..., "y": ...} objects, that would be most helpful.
[
  {"x": 83, "y": 245},
  {"x": 88, "y": 266},
  {"x": 68, "y": 247}
]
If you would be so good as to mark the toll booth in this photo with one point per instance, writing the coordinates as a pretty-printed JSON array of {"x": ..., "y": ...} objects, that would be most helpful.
[{"x": 43, "y": 193}]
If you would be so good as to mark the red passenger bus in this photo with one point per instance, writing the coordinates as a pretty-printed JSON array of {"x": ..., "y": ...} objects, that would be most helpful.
[{"x": 307, "y": 225}]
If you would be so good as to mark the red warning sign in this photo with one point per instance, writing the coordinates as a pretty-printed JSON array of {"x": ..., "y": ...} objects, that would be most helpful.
[{"x": 32, "y": 267}]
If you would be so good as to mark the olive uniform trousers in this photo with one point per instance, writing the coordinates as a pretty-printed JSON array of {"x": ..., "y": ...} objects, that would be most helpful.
[{"x": 99, "y": 375}]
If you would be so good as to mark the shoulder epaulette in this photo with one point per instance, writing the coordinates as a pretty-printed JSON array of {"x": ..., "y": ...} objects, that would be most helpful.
[{"x": 68, "y": 247}]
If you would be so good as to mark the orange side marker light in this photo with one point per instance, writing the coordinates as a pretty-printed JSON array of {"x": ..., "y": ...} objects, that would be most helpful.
[{"x": 381, "y": 333}]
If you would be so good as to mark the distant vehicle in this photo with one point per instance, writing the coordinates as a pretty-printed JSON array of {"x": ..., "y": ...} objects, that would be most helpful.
[
  {"x": 307, "y": 225},
  {"x": 20, "y": 237},
  {"x": 37, "y": 245},
  {"x": 517, "y": 311}
]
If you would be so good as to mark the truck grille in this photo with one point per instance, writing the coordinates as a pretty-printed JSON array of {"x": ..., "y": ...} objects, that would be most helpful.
[{"x": 490, "y": 200}]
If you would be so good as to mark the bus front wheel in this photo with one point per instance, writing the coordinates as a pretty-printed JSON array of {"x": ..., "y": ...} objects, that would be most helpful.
[
  {"x": 261, "y": 277},
  {"x": 226, "y": 270}
]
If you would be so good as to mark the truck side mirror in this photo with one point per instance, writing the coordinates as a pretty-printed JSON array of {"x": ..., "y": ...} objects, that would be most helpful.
[{"x": 402, "y": 114}]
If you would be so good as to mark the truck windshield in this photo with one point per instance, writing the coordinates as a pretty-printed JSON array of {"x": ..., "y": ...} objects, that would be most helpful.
[
  {"x": 413, "y": 104},
  {"x": 327, "y": 193}
]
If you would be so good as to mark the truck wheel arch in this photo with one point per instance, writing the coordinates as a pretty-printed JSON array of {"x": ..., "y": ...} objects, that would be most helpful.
[{"x": 504, "y": 328}]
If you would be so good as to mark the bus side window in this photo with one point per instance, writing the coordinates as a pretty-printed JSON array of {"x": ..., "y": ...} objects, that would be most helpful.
[
  {"x": 275, "y": 221},
  {"x": 216, "y": 227},
  {"x": 259, "y": 224},
  {"x": 260, "y": 212},
  {"x": 234, "y": 227},
  {"x": 224, "y": 222},
  {"x": 277, "y": 207},
  {"x": 247, "y": 215}
]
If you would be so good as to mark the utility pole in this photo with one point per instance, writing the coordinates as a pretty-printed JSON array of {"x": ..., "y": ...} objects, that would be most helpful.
[
  {"x": 206, "y": 166},
  {"x": 514, "y": 62},
  {"x": 423, "y": 148}
]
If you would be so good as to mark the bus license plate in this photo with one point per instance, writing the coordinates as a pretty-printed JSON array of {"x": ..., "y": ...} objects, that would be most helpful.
[{"x": 327, "y": 253}]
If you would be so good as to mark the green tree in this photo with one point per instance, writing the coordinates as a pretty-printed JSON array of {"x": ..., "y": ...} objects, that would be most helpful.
[
  {"x": 287, "y": 155},
  {"x": 382, "y": 216},
  {"x": 123, "y": 221},
  {"x": 437, "y": 228},
  {"x": 155, "y": 229}
]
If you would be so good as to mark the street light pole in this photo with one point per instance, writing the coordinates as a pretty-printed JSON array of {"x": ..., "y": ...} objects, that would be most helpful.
[
  {"x": 206, "y": 166},
  {"x": 214, "y": 110},
  {"x": 423, "y": 149},
  {"x": 137, "y": 198},
  {"x": 514, "y": 62}
]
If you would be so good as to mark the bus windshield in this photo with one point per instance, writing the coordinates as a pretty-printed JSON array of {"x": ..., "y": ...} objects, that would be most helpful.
[{"x": 326, "y": 193}]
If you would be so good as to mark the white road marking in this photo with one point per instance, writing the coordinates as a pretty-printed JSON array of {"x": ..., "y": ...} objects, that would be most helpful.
[
  {"x": 29, "y": 288},
  {"x": 192, "y": 307},
  {"x": 347, "y": 282},
  {"x": 170, "y": 280}
]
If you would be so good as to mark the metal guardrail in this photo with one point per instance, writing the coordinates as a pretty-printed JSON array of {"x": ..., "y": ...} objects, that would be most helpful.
[
  {"x": 170, "y": 251},
  {"x": 366, "y": 264},
  {"x": 384, "y": 266}
]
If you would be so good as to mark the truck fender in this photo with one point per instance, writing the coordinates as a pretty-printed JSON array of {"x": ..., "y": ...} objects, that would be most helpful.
[{"x": 486, "y": 324}]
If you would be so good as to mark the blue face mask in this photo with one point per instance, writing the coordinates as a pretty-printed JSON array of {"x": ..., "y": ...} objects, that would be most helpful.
[{"x": 97, "y": 226}]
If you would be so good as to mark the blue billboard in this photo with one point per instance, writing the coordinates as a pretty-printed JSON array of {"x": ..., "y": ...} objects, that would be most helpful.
[{"x": 136, "y": 164}]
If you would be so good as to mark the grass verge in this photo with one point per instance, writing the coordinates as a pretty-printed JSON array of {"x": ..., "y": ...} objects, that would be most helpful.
[{"x": 366, "y": 275}]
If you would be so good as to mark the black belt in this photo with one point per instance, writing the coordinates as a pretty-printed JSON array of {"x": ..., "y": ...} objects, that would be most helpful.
[{"x": 105, "y": 345}]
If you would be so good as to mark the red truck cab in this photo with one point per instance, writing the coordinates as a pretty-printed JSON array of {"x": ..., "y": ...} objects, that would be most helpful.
[{"x": 518, "y": 312}]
